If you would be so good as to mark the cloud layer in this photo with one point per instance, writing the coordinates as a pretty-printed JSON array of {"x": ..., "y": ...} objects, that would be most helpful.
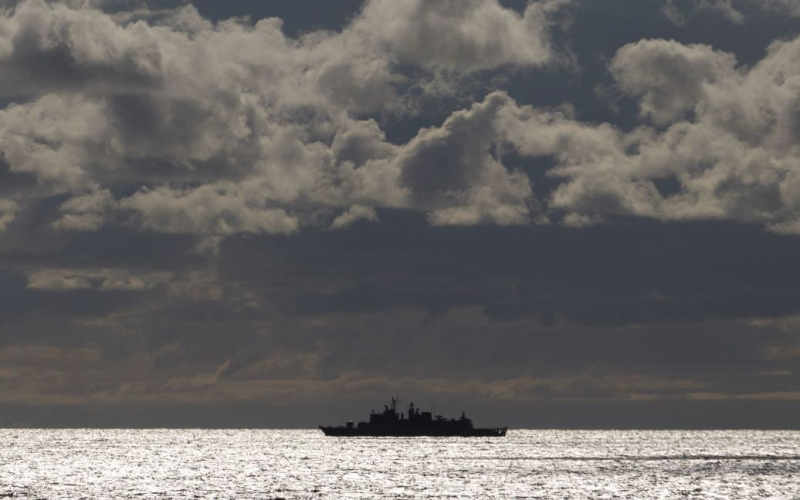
[
  {"x": 182, "y": 125},
  {"x": 469, "y": 193},
  {"x": 233, "y": 127}
]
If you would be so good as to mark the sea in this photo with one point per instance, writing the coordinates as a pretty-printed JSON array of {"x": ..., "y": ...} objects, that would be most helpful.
[{"x": 264, "y": 464}]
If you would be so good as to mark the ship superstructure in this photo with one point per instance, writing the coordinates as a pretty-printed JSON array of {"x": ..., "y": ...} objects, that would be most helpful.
[{"x": 391, "y": 422}]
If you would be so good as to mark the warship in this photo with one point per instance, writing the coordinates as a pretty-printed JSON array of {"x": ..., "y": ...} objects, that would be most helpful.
[{"x": 392, "y": 423}]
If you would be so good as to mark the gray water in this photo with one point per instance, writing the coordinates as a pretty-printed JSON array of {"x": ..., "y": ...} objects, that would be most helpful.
[{"x": 305, "y": 464}]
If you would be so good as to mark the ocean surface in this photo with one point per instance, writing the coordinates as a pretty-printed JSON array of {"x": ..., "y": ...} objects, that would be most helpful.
[{"x": 57, "y": 464}]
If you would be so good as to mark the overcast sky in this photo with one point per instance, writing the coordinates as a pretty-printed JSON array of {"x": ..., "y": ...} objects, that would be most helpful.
[{"x": 577, "y": 213}]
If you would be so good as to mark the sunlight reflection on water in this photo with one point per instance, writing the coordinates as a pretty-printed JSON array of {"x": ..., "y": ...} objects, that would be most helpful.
[{"x": 305, "y": 464}]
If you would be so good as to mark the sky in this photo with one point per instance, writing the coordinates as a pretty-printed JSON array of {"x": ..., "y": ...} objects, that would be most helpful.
[{"x": 547, "y": 213}]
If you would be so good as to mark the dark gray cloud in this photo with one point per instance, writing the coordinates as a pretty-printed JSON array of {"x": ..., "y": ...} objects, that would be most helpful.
[{"x": 244, "y": 207}]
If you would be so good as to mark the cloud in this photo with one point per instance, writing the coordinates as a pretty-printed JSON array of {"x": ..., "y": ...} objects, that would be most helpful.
[
  {"x": 678, "y": 11},
  {"x": 451, "y": 172},
  {"x": 53, "y": 47},
  {"x": 791, "y": 7},
  {"x": 734, "y": 11},
  {"x": 53, "y": 139},
  {"x": 278, "y": 317},
  {"x": 63, "y": 280},
  {"x": 202, "y": 130},
  {"x": 85, "y": 212},
  {"x": 353, "y": 215},
  {"x": 725, "y": 146},
  {"x": 8, "y": 210},
  {"x": 462, "y": 35},
  {"x": 214, "y": 210},
  {"x": 228, "y": 127},
  {"x": 670, "y": 78},
  {"x": 57, "y": 281}
]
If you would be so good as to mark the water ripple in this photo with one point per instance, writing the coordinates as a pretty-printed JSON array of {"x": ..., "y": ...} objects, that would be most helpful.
[{"x": 156, "y": 464}]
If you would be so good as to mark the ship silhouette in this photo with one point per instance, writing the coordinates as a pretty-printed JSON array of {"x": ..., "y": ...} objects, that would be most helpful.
[{"x": 393, "y": 423}]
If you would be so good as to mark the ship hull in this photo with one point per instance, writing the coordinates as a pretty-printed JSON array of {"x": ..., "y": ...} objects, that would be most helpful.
[{"x": 355, "y": 432}]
